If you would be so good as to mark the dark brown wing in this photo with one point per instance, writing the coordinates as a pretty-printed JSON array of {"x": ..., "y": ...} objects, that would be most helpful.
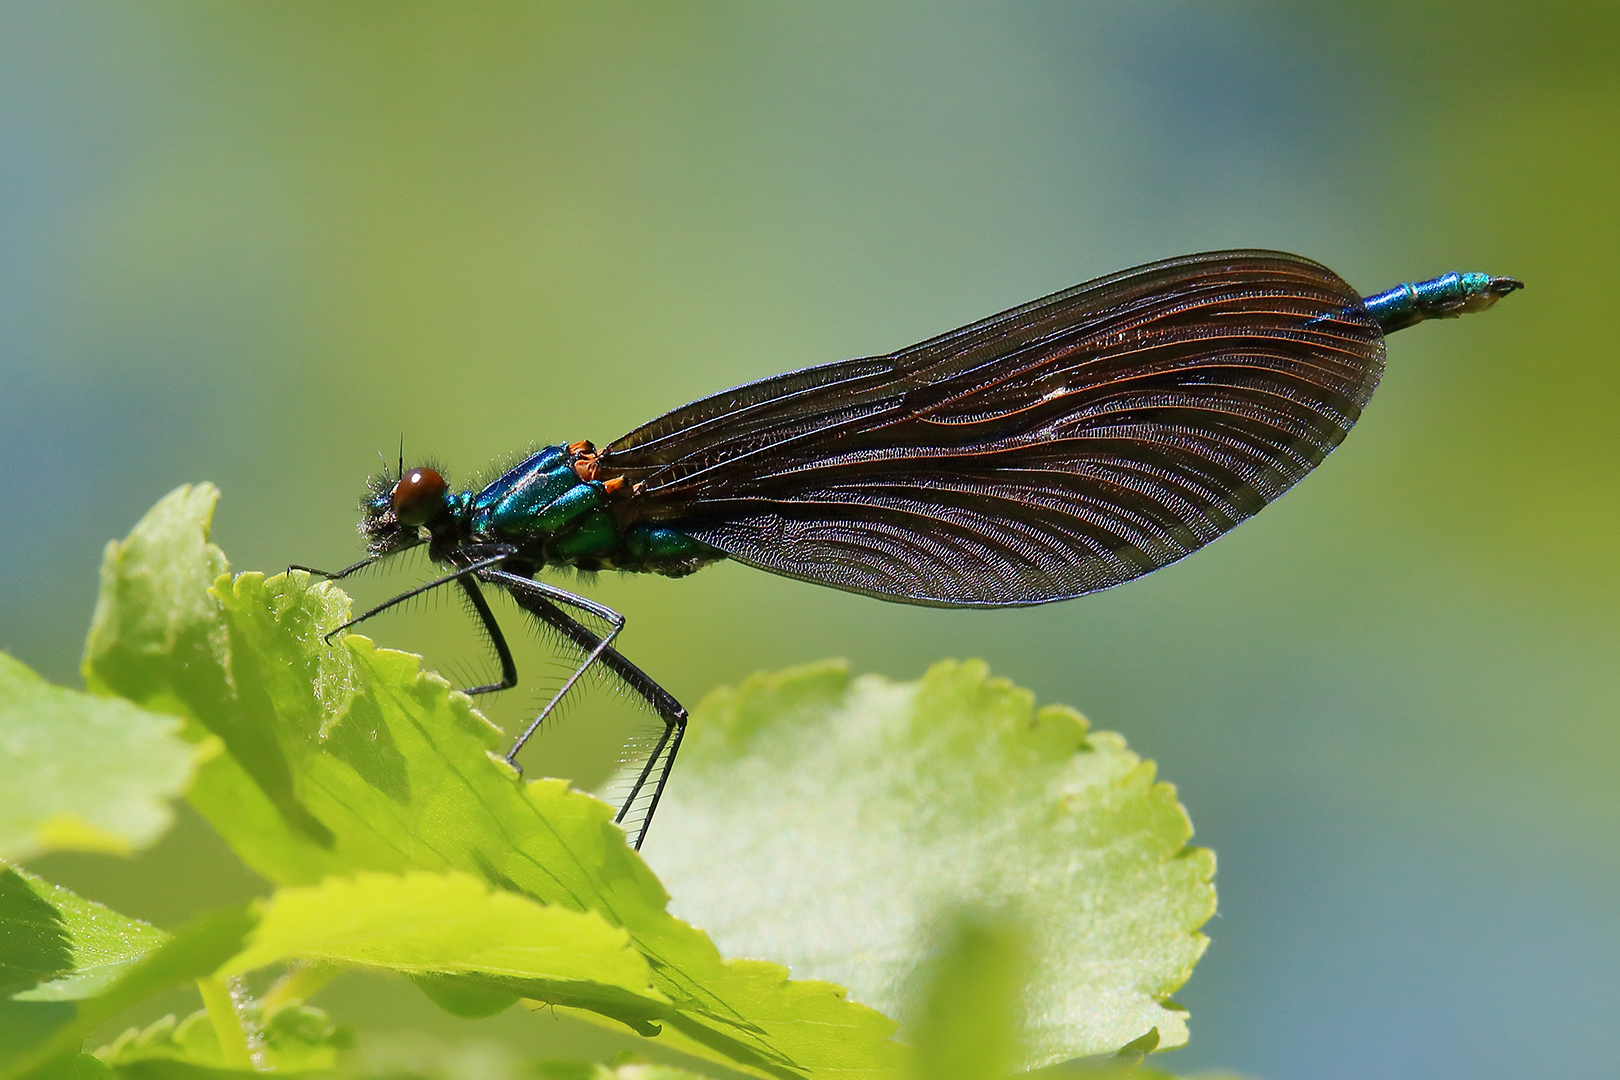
[{"x": 1059, "y": 448}]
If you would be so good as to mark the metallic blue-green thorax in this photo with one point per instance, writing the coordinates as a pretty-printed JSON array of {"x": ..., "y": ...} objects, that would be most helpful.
[{"x": 546, "y": 507}]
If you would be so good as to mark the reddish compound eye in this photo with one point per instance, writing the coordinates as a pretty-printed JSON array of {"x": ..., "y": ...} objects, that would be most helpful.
[{"x": 419, "y": 496}]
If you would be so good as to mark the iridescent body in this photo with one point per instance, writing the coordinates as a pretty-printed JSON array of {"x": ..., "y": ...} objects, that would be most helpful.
[
  {"x": 552, "y": 510},
  {"x": 1061, "y": 447}
]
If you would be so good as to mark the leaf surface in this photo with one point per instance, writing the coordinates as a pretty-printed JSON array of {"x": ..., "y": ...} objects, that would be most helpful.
[
  {"x": 830, "y": 822},
  {"x": 60, "y": 946},
  {"x": 349, "y": 758},
  {"x": 83, "y": 773},
  {"x": 33, "y": 1032},
  {"x": 291, "y": 1039},
  {"x": 453, "y": 924}
]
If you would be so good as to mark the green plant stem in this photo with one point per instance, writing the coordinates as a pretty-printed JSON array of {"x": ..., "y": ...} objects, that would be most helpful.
[
  {"x": 233, "y": 1040},
  {"x": 297, "y": 986}
]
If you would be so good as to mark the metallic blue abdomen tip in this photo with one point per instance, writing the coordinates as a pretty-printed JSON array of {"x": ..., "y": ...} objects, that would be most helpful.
[{"x": 1443, "y": 297}]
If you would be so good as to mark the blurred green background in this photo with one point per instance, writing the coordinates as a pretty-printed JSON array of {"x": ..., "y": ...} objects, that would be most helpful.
[{"x": 256, "y": 244}]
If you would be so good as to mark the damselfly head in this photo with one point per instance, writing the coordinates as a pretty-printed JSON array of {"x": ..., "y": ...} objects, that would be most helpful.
[
  {"x": 418, "y": 498},
  {"x": 394, "y": 510}
]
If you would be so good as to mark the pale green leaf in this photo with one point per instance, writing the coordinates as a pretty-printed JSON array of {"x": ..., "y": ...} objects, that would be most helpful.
[
  {"x": 349, "y": 758},
  {"x": 154, "y": 624},
  {"x": 828, "y": 822},
  {"x": 35, "y": 1032},
  {"x": 58, "y": 946},
  {"x": 83, "y": 773},
  {"x": 453, "y": 924},
  {"x": 420, "y": 1056},
  {"x": 192, "y": 1039},
  {"x": 300, "y": 1036},
  {"x": 292, "y": 1038},
  {"x": 72, "y": 1067}
]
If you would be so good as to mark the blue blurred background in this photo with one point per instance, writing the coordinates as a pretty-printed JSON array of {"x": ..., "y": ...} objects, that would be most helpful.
[{"x": 255, "y": 244}]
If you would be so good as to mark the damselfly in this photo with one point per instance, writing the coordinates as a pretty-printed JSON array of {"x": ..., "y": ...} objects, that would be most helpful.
[{"x": 1050, "y": 451}]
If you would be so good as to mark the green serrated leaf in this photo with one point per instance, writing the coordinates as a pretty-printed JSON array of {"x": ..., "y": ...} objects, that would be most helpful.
[
  {"x": 1124, "y": 1067},
  {"x": 168, "y": 1038},
  {"x": 34, "y": 942},
  {"x": 154, "y": 614},
  {"x": 83, "y": 773},
  {"x": 170, "y": 1069},
  {"x": 72, "y": 1067},
  {"x": 827, "y": 822},
  {"x": 33, "y": 1033},
  {"x": 57, "y": 946},
  {"x": 350, "y": 758},
  {"x": 453, "y": 925},
  {"x": 303, "y": 1037},
  {"x": 292, "y": 1038},
  {"x": 417, "y": 1056}
]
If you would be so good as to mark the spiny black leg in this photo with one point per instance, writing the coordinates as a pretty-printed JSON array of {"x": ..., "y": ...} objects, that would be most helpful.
[
  {"x": 471, "y": 558},
  {"x": 509, "y": 676},
  {"x": 339, "y": 575},
  {"x": 662, "y": 701},
  {"x": 516, "y": 582},
  {"x": 538, "y": 600},
  {"x": 674, "y": 732},
  {"x": 472, "y": 567},
  {"x": 584, "y": 638}
]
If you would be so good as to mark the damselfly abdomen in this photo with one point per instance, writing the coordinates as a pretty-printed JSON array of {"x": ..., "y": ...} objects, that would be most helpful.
[{"x": 1053, "y": 450}]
